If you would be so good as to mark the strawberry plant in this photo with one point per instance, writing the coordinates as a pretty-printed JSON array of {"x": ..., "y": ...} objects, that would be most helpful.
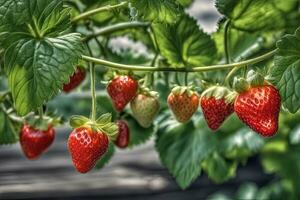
[{"x": 209, "y": 99}]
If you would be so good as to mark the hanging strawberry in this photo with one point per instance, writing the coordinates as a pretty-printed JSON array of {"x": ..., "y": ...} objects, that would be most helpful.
[
  {"x": 122, "y": 89},
  {"x": 123, "y": 134},
  {"x": 183, "y": 102},
  {"x": 217, "y": 105},
  {"x": 75, "y": 80},
  {"x": 145, "y": 107},
  {"x": 258, "y": 104}
]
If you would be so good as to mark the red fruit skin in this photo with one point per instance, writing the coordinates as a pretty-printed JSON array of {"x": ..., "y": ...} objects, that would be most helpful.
[
  {"x": 259, "y": 108},
  {"x": 122, "y": 89},
  {"x": 183, "y": 106},
  {"x": 34, "y": 142},
  {"x": 86, "y": 147},
  {"x": 123, "y": 134},
  {"x": 215, "y": 111},
  {"x": 75, "y": 80}
]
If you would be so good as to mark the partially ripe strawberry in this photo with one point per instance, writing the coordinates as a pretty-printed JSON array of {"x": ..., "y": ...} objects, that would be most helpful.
[
  {"x": 259, "y": 108},
  {"x": 183, "y": 102},
  {"x": 122, "y": 89},
  {"x": 144, "y": 108},
  {"x": 34, "y": 141},
  {"x": 75, "y": 80},
  {"x": 216, "y": 106},
  {"x": 86, "y": 146},
  {"x": 123, "y": 134}
]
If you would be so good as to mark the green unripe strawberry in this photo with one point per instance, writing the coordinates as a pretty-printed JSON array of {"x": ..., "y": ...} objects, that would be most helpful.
[{"x": 144, "y": 108}]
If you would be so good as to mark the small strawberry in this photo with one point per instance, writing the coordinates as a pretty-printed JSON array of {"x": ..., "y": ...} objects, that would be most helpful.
[
  {"x": 258, "y": 104},
  {"x": 75, "y": 80},
  {"x": 183, "y": 102},
  {"x": 215, "y": 106},
  {"x": 123, "y": 134},
  {"x": 35, "y": 141},
  {"x": 145, "y": 107},
  {"x": 86, "y": 146},
  {"x": 122, "y": 89}
]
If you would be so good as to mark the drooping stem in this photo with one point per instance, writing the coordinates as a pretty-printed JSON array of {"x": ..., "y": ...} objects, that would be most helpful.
[
  {"x": 98, "y": 10},
  {"x": 230, "y": 74},
  {"x": 116, "y": 27},
  {"x": 93, "y": 92},
  {"x": 41, "y": 112},
  {"x": 227, "y": 41},
  {"x": 185, "y": 69}
]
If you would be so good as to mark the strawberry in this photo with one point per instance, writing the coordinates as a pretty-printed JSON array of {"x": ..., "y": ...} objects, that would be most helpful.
[
  {"x": 75, "y": 80},
  {"x": 183, "y": 102},
  {"x": 35, "y": 141},
  {"x": 145, "y": 107},
  {"x": 215, "y": 106},
  {"x": 86, "y": 146},
  {"x": 123, "y": 134},
  {"x": 259, "y": 108},
  {"x": 122, "y": 89}
]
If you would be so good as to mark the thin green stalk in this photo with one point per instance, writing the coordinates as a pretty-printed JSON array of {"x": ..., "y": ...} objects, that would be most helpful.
[
  {"x": 98, "y": 10},
  {"x": 227, "y": 41},
  {"x": 41, "y": 112},
  {"x": 93, "y": 92},
  {"x": 116, "y": 27},
  {"x": 186, "y": 69},
  {"x": 230, "y": 74},
  {"x": 186, "y": 77}
]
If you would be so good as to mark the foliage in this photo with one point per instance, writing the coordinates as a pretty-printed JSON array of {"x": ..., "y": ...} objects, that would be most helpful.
[{"x": 40, "y": 47}]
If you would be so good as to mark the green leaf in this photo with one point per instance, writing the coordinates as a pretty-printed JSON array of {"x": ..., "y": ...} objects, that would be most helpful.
[
  {"x": 241, "y": 144},
  {"x": 39, "y": 55},
  {"x": 185, "y": 3},
  {"x": 184, "y": 43},
  {"x": 182, "y": 148},
  {"x": 286, "y": 71},
  {"x": 218, "y": 169},
  {"x": 9, "y": 130},
  {"x": 295, "y": 135},
  {"x": 138, "y": 134},
  {"x": 107, "y": 156},
  {"x": 271, "y": 14},
  {"x": 167, "y": 11}
]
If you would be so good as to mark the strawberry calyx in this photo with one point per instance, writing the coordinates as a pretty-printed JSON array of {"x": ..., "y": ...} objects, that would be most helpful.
[
  {"x": 219, "y": 92},
  {"x": 147, "y": 92},
  {"x": 253, "y": 79},
  {"x": 180, "y": 90},
  {"x": 43, "y": 124},
  {"x": 103, "y": 124}
]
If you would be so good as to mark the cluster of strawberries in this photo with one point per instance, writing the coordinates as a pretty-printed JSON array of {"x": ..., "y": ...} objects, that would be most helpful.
[{"x": 255, "y": 102}]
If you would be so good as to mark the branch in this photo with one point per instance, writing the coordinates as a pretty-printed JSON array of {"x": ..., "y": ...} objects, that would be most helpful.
[
  {"x": 97, "y": 10},
  {"x": 116, "y": 27},
  {"x": 167, "y": 69}
]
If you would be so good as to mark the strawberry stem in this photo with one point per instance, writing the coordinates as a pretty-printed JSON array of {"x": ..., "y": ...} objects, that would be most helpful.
[
  {"x": 186, "y": 69},
  {"x": 227, "y": 41},
  {"x": 93, "y": 92},
  {"x": 98, "y": 10},
  {"x": 41, "y": 112}
]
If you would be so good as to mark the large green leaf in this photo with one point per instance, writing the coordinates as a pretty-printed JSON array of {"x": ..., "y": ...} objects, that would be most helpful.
[
  {"x": 107, "y": 156},
  {"x": 182, "y": 148},
  {"x": 286, "y": 71},
  {"x": 9, "y": 130},
  {"x": 271, "y": 14},
  {"x": 167, "y": 11},
  {"x": 184, "y": 43},
  {"x": 241, "y": 144},
  {"x": 39, "y": 54}
]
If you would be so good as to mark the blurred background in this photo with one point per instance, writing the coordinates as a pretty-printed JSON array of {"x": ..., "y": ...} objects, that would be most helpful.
[{"x": 131, "y": 174}]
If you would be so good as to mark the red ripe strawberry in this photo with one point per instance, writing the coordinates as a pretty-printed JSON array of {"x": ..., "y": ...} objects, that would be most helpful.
[
  {"x": 144, "y": 108},
  {"x": 75, "y": 80},
  {"x": 215, "y": 106},
  {"x": 122, "y": 89},
  {"x": 183, "y": 102},
  {"x": 34, "y": 142},
  {"x": 259, "y": 108},
  {"x": 86, "y": 146},
  {"x": 123, "y": 134}
]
